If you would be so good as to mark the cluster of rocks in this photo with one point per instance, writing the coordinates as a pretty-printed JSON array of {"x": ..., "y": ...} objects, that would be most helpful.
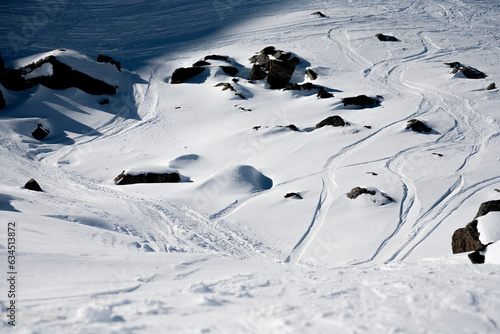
[
  {"x": 183, "y": 74},
  {"x": 466, "y": 239},
  {"x": 321, "y": 91},
  {"x": 124, "y": 178},
  {"x": 468, "y": 71},
  {"x": 62, "y": 77},
  {"x": 278, "y": 66}
]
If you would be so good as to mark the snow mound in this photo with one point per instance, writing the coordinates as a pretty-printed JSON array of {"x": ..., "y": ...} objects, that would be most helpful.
[
  {"x": 488, "y": 227},
  {"x": 238, "y": 179},
  {"x": 492, "y": 254},
  {"x": 183, "y": 160}
]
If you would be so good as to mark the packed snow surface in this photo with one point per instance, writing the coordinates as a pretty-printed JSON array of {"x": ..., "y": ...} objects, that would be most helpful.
[{"x": 227, "y": 252}]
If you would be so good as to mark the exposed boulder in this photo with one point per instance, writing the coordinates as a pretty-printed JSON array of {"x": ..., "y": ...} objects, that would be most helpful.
[
  {"x": 3, "y": 104},
  {"x": 256, "y": 73},
  {"x": 102, "y": 102},
  {"x": 225, "y": 86},
  {"x": 40, "y": 132},
  {"x": 486, "y": 207},
  {"x": 183, "y": 74},
  {"x": 54, "y": 75},
  {"x": 320, "y": 14},
  {"x": 293, "y": 195},
  {"x": 466, "y": 239},
  {"x": 468, "y": 71},
  {"x": 418, "y": 126},
  {"x": 281, "y": 55},
  {"x": 124, "y": 178},
  {"x": 491, "y": 86},
  {"x": 33, "y": 185},
  {"x": 217, "y": 57},
  {"x": 476, "y": 257},
  {"x": 201, "y": 63},
  {"x": 269, "y": 50},
  {"x": 279, "y": 73},
  {"x": 260, "y": 59},
  {"x": 333, "y": 121},
  {"x": 355, "y": 192},
  {"x": 230, "y": 70},
  {"x": 360, "y": 100},
  {"x": 292, "y": 127},
  {"x": 107, "y": 59},
  {"x": 323, "y": 94},
  {"x": 311, "y": 74},
  {"x": 386, "y": 38}
]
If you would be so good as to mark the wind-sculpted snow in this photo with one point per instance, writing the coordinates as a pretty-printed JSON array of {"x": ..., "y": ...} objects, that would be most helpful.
[{"x": 228, "y": 251}]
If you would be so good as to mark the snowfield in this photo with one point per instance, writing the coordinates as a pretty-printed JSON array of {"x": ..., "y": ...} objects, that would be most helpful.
[{"x": 259, "y": 236}]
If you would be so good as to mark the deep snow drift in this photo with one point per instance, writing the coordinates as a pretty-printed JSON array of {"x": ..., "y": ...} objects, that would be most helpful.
[{"x": 227, "y": 250}]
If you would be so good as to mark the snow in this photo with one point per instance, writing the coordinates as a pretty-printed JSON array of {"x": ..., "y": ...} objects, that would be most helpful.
[
  {"x": 45, "y": 70},
  {"x": 488, "y": 227},
  {"x": 227, "y": 252}
]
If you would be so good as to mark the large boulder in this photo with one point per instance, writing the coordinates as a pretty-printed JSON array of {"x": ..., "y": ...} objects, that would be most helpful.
[
  {"x": 466, "y": 239},
  {"x": 53, "y": 74},
  {"x": 279, "y": 73},
  {"x": 360, "y": 100},
  {"x": 40, "y": 133},
  {"x": 486, "y": 207},
  {"x": 332, "y": 120},
  {"x": 468, "y": 71},
  {"x": 357, "y": 191},
  {"x": 386, "y": 38},
  {"x": 125, "y": 178},
  {"x": 32, "y": 185},
  {"x": 107, "y": 59},
  {"x": 418, "y": 126},
  {"x": 260, "y": 59},
  {"x": 230, "y": 70},
  {"x": 183, "y": 74},
  {"x": 256, "y": 73}
]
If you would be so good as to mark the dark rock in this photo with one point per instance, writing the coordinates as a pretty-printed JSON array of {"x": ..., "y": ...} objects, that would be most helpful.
[
  {"x": 311, "y": 74},
  {"x": 279, "y": 73},
  {"x": 295, "y": 86},
  {"x": 182, "y": 74},
  {"x": 225, "y": 86},
  {"x": 323, "y": 94},
  {"x": 486, "y": 207},
  {"x": 386, "y": 38},
  {"x": 281, "y": 55},
  {"x": 124, "y": 178},
  {"x": 3, "y": 104},
  {"x": 241, "y": 96},
  {"x": 107, "y": 59},
  {"x": 438, "y": 154},
  {"x": 476, "y": 257},
  {"x": 257, "y": 127},
  {"x": 63, "y": 77},
  {"x": 466, "y": 239},
  {"x": 473, "y": 73},
  {"x": 260, "y": 60},
  {"x": 295, "y": 60},
  {"x": 293, "y": 195},
  {"x": 229, "y": 70},
  {"x": 491, "y": 86},
  {"x": 292, "y": 127},
  {"x": 360, "y": 100},
  {"x": 320, "y": 14},
  {"x": 367, "y": 126},
  {"x": 216, "y": 57},
  {"x": 355, "y": 192},
  {"x": 235, "y": 79},
  {"x": 256, "y": 73},
  {"x": 32, "y": 185},
  {"x": 468, "y": 71},
  {"x": 268, "y": 50},
  {"x": 332, "y": 120},
  {"x": 40, "y": 132},
  {"x": 418, "y": 126},
  {"x": 372, "y": 173},
  {"x": 105, "y": 101},
  {"x": 201, "y": 63}
]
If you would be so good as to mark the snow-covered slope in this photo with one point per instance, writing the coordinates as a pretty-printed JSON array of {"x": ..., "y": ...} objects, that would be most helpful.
[{"x": 225, "y": 249}]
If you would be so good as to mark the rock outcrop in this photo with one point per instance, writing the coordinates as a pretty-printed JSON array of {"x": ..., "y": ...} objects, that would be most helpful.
[
  {"x": 123, "y": 178},
  {"x": 107, "y": 59},
  {"x": 33, "y": 185},
  {"x": 386, "y": 38},
  {"x": 333, "y": 121},
  {"x": 56, "y": 75},
  {"x": 183, "y": 74},
  {"x": 360, "y": 100},
  {"x": 40, "y": 133},
  {"x": 417, "y": 126},
  {"x": 279, "y": 73},
  {"x": 357, "y": 191}
]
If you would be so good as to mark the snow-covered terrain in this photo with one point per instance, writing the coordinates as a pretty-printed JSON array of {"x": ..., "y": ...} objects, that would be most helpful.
[{"x": 223, "y": 251}]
